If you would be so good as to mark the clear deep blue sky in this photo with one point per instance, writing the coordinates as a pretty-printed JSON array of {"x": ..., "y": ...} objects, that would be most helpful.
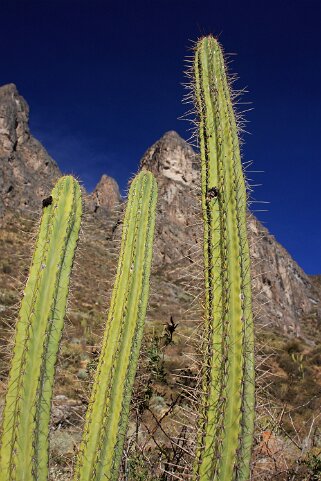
[{"x": 103, "y": 81}]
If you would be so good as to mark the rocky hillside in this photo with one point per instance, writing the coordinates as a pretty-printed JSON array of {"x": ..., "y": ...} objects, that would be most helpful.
[
  {"x": 284, "y": 294},
  {"x": 287, "y": 301},
  {"x": 28, "y": 172}
]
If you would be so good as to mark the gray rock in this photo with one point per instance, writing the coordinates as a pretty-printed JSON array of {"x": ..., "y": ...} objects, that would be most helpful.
[
  {"x": 175, "y": 165},
  {"x": 66, "y": 411},
  {"x": 27, "y": 172},
  {"x": 105, "y": 197}
]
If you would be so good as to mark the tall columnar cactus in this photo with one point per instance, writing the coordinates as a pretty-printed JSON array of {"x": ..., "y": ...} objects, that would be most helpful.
[
  {"x": 24, "y": 443},
  {"x": 107, "y": 415},
  {"x": 227, "y": 415}
]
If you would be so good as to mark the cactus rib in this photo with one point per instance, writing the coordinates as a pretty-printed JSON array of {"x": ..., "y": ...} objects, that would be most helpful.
[
  {"x": 107, "y": 416},
  {"x": 25, "y": 428},
  {"x": 227, "y": 418}
]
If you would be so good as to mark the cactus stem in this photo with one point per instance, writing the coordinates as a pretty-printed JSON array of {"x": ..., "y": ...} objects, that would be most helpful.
[
  {"x": 227, "y": 417},
  {"x": 107, "y": 416},
  {"x": 25, "y": 427}
]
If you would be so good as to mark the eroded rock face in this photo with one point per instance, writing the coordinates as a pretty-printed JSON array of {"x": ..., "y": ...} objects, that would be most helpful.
[
  {"x": 283, "y": 294},
  {"x": 27, "y": 172},
  {"x": 106, "y": 196},
  {"x": 172, "y": 158},
  {"x": 175, "y": 165}
]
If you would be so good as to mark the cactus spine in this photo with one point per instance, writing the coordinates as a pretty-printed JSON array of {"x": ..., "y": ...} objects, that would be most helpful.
[
  {"x": 107, "y": 415},
  {"x": 227, "y": 415},
  {"x": 25, "y": 429}
]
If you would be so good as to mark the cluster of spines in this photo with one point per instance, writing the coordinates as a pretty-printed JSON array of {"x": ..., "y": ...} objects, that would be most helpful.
[
  {"x": 25, "y": 427},
  {"x": 227, "y": 417},
  {"x": 107, "y": 416}
]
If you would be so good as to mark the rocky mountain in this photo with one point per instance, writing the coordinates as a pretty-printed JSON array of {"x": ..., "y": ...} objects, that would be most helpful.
[
  {"x": 284, "y": 293},
  {"x": 287, "y": 304},
  {"x": 106, "y": 195},
  {"x": 27, "y": 171}
]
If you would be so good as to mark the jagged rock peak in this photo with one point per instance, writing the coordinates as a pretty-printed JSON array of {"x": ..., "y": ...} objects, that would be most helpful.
[
  {"x": 14, "y": 116},
  {"x": 106, "y": 194},
  {"x": 27, "y": 172},
  {"x": 172, "y": 157}
]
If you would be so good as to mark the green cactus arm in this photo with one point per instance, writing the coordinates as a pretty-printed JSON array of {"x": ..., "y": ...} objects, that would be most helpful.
[
  {"x": 227, "y": 416},
  {"x": 25, "y": 427},
  {"x": 107, "y": 416}
]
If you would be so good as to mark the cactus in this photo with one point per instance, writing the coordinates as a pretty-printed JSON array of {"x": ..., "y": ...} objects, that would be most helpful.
[
  {"x": 25, "y": 429},
  {"x": 226, "y": 421},
  {"x": 107, "y": 415},
  {"x": 227, "y": 409}
]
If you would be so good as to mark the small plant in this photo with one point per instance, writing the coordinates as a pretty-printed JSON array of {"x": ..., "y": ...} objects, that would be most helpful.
[
  {"x": 298, "y": 358},
  {"x": 155, "y": 358},
  {"x": 136, "y": 469},
  {"x": 170, "y": 328},
  {"x": 313, "y": 462}
]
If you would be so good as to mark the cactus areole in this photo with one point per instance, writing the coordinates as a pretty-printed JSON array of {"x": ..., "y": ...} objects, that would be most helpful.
[{"x": 226, "y": 421}]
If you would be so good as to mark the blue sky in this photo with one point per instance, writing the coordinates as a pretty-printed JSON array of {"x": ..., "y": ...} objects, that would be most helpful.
[{"x": 103, "y": 81}]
